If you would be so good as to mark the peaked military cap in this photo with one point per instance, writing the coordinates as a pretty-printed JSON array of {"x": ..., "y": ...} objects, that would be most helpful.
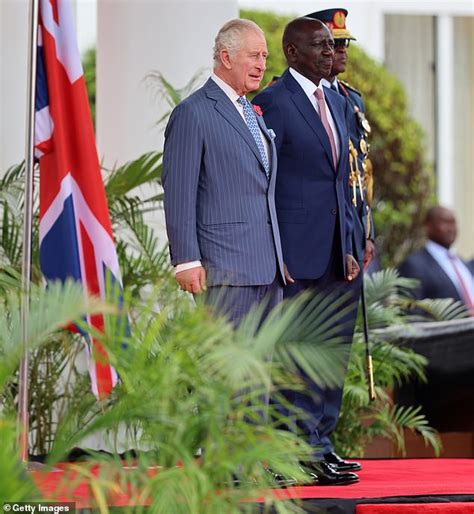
[{"x": 335, "y": 20}]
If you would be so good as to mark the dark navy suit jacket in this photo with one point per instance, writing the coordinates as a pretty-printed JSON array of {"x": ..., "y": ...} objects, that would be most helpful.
[
  {"x": 219, "y": 205},
  {"x": 312, "y": 198},
  {"x": 434, "y": 283}
]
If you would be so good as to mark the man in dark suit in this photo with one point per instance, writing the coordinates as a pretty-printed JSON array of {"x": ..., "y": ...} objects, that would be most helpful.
[
  {"x": 440, "y": 272},
  {"x": 470, "y": 265},
  {"x": 314, "y": 211},
  {"x": 219, "y": 173},
  {"x": 359, "y": 128}
]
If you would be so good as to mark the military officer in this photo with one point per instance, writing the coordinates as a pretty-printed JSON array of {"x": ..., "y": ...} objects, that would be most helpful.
[{"x": 359, "y": 129}]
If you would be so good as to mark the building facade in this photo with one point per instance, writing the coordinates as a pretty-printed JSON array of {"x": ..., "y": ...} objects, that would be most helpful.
[{"x": 429, "y": 46}]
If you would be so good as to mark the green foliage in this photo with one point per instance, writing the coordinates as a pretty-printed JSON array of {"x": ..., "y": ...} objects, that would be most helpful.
[
  {"x": 89, "y": 64},
  {"x": 143, "y": 262},
  {"x": 182, "y": 389},
  {"x": 15, "y": 484},
  {"x": 403, "y": 178},
  {"x": 272, "y": 25},
  {"x": 50, "y": 310},
  {"x": 162, "y": 89},
  {"x": 389, "y": 299},
  {"x": 56, "y": 386}
]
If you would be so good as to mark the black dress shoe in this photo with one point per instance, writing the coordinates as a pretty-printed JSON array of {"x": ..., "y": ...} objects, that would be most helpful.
[
  {"x": 327, "y": 475},
  {"x": 340, "y": 464},
  {"x": 280, "y": 480}
]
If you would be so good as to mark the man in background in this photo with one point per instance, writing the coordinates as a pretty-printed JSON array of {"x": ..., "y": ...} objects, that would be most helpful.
[
  {"x": 219, "y": 172},
  {"x": 314, "y": 211},
  {"x": 440, "y": 272},
  {"x": 359, "y": 128}
]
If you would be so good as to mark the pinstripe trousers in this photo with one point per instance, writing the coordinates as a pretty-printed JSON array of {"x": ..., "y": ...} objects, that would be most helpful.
[{"x": 235, "y": 302}]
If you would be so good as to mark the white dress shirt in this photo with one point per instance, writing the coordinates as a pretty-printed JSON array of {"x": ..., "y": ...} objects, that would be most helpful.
[
  {"x": 309, "y": 88},
  {"x": 233, "y": 97},
  {"x": 326, "y": 83},
  {"x": 442, "y": 256}
]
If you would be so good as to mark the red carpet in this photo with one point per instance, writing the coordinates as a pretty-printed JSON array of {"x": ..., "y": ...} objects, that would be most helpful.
[
  {"x": 396, "y": 486},
  {"x": 417, "y": 508},
  {"x": 400, "y": 477}
]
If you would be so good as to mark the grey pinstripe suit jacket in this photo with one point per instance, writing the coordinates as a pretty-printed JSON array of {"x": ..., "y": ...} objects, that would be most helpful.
[{"x": 219, "y": 205}]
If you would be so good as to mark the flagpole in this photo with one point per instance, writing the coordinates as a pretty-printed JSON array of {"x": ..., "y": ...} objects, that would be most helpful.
[{"x": 23, "y": 415}]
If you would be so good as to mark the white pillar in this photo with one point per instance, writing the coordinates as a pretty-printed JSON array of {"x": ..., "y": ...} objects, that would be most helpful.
[
  {"x": 135, "y": 37},
  {"x": 445, "y": 81},
  {"x": 14, "y": 34},
  {"x": 14, "y": 19},
  {"x": 366, "y": 22}
]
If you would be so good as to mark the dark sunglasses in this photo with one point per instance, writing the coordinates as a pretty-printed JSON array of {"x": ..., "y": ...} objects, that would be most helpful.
[{"x": 340, "y": 43}]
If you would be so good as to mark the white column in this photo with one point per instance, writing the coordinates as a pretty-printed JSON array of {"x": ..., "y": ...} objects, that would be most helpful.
[
  {"x": 135, "y": 37},
  {"x": 13, "y": 61},
  {"x": 14, "y": 34},
  {"x": 445, "y": 81},
  {"x": 366, "y": 22}
]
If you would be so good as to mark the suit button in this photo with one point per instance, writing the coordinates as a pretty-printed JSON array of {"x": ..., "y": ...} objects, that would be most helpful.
[{"x": 333, "y": 211}]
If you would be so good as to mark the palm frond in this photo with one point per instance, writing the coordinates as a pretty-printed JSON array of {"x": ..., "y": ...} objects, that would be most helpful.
[
  {"x": 396, "y": 419},
  {"x": 204, "y": 386},
  {"x": 397, "y": 364},
  {"x": 163, "y": 89},
  {"x": 386, "y": 285},
  {"x": 11, "y": 188},
  {"x": 170, "y": 93},
  {"x": 143, "y": 247},
  {"x": 51, "y": 310},
  {"x": 15, "y": 484},
  {"x": 388, "y": 299},
  {"x": 441, "y": 309},
  {"x": 11, "y": 206},
  {"x": 124, "y": 179},
  {"x": 10, "y": 238}
]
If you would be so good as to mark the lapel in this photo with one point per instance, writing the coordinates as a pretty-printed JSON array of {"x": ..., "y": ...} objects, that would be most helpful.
[
  {"x": 307, "y": 110},
  {"x": 224, "y": 106},
  {"x": 448, "y": 283},
  {"x": 271, "y": 145},
  {"x": 338, "y": 121}
]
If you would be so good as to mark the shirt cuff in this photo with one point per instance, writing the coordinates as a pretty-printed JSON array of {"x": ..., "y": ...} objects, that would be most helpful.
[{"x": 186, "y": 265}]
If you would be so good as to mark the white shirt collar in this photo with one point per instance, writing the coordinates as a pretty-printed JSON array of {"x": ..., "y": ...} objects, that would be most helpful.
[
  {"x": 446, "y": 258},
  {"x": 228, "y": 90},
  {"x": 309, "y": 87},
  {"x": 437, "y": 250},
  {"x": 326, "y": 83}
]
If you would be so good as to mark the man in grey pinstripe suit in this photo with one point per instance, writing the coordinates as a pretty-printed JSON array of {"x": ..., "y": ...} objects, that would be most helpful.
[{"x": 219, "y": 171}]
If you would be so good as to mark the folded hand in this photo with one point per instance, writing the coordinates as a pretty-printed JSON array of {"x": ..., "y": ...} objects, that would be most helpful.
[{"x": 192, "y": 280}]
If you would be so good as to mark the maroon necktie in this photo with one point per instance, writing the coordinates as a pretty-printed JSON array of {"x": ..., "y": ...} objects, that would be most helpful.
[
  {"x": 319, "y": 94},
  {"x": 465, "y": 294}
]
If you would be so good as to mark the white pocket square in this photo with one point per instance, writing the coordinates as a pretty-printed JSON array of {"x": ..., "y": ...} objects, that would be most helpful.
[{"x": 271, "y": 133}]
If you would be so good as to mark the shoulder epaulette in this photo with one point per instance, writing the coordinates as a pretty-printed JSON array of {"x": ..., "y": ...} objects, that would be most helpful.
[{"x": 348, "y": 86}]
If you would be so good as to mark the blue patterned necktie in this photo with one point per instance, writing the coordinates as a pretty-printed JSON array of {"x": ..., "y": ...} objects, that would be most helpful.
[{"x": 252, "y": 124}]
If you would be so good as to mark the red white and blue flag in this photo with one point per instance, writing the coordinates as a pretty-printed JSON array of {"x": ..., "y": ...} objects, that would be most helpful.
[{"x": 76, "y": 238}]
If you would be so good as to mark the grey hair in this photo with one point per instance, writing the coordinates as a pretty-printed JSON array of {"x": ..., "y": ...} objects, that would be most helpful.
[{"x": 229, "y": 36}]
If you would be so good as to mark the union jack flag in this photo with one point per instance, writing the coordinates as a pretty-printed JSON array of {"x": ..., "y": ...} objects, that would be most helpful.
[{"x": 76, "y": 238}]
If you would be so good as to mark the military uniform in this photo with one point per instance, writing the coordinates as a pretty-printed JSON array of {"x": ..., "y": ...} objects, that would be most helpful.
[
  {"x": 361, "y": 169},
  {"x": 359, "y": 128}
]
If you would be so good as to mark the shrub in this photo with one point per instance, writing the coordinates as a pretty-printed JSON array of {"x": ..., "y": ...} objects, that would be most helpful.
[{"x": 88, "y": 62}]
